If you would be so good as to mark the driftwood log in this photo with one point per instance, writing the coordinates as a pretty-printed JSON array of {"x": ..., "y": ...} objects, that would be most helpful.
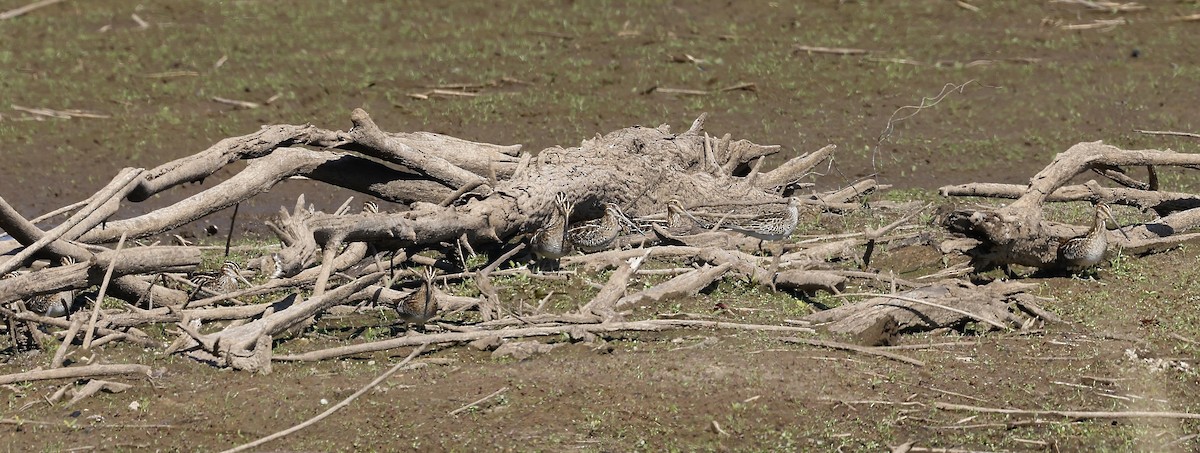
[
  {"x": 460, "y": 196},
  {"x": 1019, "y": 234},
  {"x": 950, "y": 304}
]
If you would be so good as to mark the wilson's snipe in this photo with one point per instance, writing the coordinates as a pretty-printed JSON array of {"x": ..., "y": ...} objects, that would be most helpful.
[
  {"x": 771, "y": 227},
  {"x": 422, "y": 305},
  {"x": 599, "y": 234},
  {"x": 680, "y": 222},
  {"x": 369, "y": 207},
  {"x": 225, "y": 281},
  {"x": 53, "y": 305},
  {"x": 1080, "y": 253},
  {"x": 549, "y": 241}
]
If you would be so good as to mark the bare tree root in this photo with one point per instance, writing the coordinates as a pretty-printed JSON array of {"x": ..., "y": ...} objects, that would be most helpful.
[
  {"x": 461, "y": 197},
  {"x": 248, "y": 346},
  {"x": 950, "y": 304},
  {"x": 1018, "y": 233}
]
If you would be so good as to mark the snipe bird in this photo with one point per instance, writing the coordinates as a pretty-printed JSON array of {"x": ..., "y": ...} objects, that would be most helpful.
[
  {"x": 54, "y": 305},
  {"x": 369, "y": 207},
  {"x": 422, "y": 305},
  {"x": 680, "y": 222},
  {"x": 225, "y": 281},
  {"x": 549, "y": 241},
  {"x": 771, "y": 227},
  {"x": 1080, "y": 253},
  {"x": 599, "y": 234}
]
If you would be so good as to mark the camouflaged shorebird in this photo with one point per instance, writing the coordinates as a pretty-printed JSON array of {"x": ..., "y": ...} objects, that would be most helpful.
[
  {"x": 54, "y": 305},
  {"x": 1080, "y": 253},
  {"x": 598, "y": 234},
  {"x": 226, "y": 280},
  {"x": 680, "y": 222},
  {"x": 549, "y": 241},
  {"x": 771, "y": 227},
  {"x": 422, "y": 305}
]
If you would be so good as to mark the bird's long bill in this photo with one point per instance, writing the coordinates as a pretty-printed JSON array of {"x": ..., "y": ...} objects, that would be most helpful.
[
  {"x": 243, "y": 279},
  {"x": 1108, "y": 214},
  {"x": 630, "y": 223}
]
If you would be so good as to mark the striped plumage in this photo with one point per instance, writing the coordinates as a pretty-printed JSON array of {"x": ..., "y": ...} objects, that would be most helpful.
[
  {"x": 278, "y": 261},
  {"x": 54, "y": 305},
  {"x": 679, "y": 221},
  {"x": 422, "y": 305},
  {"x": 1082, "y": 252},
  {"x": 548, "y": 242},
  {"x": 369, "y": 207},
  {"x": 772, "y": 227},
  {"x": 225, "y": 281},
  {"x": 598, "y": 234}
]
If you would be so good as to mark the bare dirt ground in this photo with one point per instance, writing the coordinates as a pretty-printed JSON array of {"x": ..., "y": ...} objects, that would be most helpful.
[{"x": 553, "y": 73}]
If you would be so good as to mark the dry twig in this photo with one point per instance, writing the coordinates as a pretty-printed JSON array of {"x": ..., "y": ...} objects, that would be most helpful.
[
  {"x": 26, "y": 9},
  {"x": 333, "y": 409},
  {"x": 476, "y": 402},
  {"x": 853, "y": 348}
]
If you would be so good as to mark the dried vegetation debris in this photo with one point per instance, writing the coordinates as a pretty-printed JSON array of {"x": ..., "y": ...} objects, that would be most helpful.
[{"x": 461, "y": 197}]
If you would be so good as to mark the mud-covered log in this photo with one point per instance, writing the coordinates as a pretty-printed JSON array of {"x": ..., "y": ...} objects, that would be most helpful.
[
  {"x": 810, "y": 281},
  {"x": 989, "y": 305},
  {"x": 685, "y": 285}
]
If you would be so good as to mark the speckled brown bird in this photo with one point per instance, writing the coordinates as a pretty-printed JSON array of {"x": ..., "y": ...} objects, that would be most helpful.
[
  {"x": 225, "y": 281},
  {"x": 598, "y": 234},
  {"x": 422, "y": 305},
  {"x": 771, "y": 227},
  {"x": 549, "y": 241},
  {"x": 1080, "y": 253}
]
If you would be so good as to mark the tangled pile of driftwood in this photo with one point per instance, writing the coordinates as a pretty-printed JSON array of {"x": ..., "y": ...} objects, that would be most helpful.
[{"x": 462, "y": 197}]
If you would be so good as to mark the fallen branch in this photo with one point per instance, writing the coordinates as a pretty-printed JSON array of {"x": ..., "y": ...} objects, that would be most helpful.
[
  {"x": 476, "y": 402},
  {"x": 26, "y": 9},
  {"x": 1178, "y": 134},
  {"x": 828, "y": 50},
  {"x": 75, "y": 373},
  {"x": 91, "y": 329},
  {"x": 853, "y": 348},
  {"x": 463, "y": 337},
  {"x": 1067, "y": 414}
]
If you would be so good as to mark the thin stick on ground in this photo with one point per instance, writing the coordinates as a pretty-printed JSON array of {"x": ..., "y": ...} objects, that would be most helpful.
[
  {"x": 21, "y": 421},
  {"x": 75, "y": 372},
  {"x": 232, "y": 225},
  {"x": 61, "y": 354},
  {"x": 854, "y": 348},
  {"x": 87, "y": 335},
  {"x": 477, "y": 402},
  {"x": 335, "y": 407},
  {"x": 534, "y": 331},
  {"x": 1068, "y": 414},
  {"x": 1172, "y": 133},
  {"x": 27, "y": 9}
]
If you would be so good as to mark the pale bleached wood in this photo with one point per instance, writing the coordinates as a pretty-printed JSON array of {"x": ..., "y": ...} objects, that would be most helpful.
[{"x": 75, "y": 373}]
